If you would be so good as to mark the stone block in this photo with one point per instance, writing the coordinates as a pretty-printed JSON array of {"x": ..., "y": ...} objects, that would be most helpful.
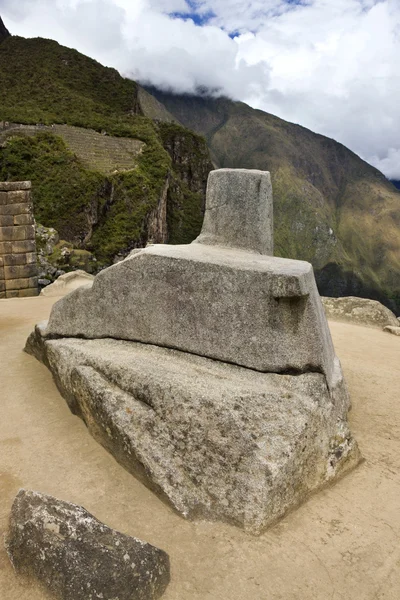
[
  {"x": 3, "y": 198},
  {"x": 6, "y": 248},
  {"x": 23, "y": 246},
  {"x": 239, "y": 211},
  {"x": 23, "y": 232},
  {"x": 76, "y": 557},
  {"x": 3, "y": 295},
  {"x": 18, "y": 197},
  {"x": 15, "y": 259},
  {"x": 14, "y": 186},
  {"x": 17, "y": 284},
  {"x": 2, "y": 285},
  {"x": 257, "y": 311},
  {"x": 26, "y": 219},
  {"x": 7, "y": 220},
  {"x": 20, "y": 271},
  {"x": 16, "y": 209},
  {"x": 31, "y": 257},
  {"x": 28, "y": 292},
  {"x": 6, "y": 234},
  {"x": 12, "y": 293}
]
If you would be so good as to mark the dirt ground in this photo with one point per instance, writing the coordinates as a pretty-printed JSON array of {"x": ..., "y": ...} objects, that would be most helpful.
[{"x": 342, "y": 543}]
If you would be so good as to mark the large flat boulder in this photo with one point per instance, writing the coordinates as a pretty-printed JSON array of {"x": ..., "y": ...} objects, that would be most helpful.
[
  {"x": 257, "y": 311},
  {"x": 76, "y": 557},
  {"x": 218, "y": 441}
]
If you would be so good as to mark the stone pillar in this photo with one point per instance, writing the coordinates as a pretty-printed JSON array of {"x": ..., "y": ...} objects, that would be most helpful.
[
  {"x": 239, "y": 211},
  {"x": 18, "y": 268}
]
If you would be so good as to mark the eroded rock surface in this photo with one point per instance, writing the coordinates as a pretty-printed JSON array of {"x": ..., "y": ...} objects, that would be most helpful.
[
  {"x": 76, "y": 557},
  {"x": 359, "y": 310},
  {"x": 220, "y": 442}
]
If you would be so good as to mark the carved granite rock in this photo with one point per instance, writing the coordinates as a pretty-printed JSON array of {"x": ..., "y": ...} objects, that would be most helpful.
[
  {"x": 235, "y": 305},
  {"x": 220, "y": 442},
  {"x": 76, "y": 557}
]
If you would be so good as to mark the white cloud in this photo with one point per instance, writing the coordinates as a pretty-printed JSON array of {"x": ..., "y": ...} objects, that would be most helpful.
[
  {"x": 390, "y": 164},
  {"x": 330, "y": 65}
]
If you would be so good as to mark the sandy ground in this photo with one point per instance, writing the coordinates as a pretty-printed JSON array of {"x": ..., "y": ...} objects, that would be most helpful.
[{"x": 342, "y": 543}]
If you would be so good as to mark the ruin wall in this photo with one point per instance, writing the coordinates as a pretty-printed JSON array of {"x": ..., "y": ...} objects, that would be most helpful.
[{"x": 18, "y": 268}]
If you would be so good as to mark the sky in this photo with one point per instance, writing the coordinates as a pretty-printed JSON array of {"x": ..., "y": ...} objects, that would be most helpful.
[{"x": 330, "y": 65}]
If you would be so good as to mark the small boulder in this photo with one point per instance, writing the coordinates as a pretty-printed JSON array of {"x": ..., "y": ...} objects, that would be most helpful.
[
  {"x": 67, "y": 283},
  {"x": 390, "y": 329},
  {"x": 362, "y": 311},
  {"x": 76, "y": 557}
]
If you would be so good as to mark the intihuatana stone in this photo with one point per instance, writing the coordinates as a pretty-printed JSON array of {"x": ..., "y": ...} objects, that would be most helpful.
[
  {"x": 233, "y": 405},
  {"x": 225, "y": 303},
  {"x": 76, "y": 557}
]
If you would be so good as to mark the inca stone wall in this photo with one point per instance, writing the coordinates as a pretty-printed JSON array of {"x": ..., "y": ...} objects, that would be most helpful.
[{"x": 18, "y": 270}]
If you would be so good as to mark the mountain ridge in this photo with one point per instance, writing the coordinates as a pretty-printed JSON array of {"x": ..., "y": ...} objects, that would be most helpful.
[{"x": 331, "y": 207}]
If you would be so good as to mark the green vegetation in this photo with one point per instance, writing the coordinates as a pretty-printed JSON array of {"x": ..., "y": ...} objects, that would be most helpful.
[
  {"x": 43, "y": 82},
  {"x": 99, "y": 212}
]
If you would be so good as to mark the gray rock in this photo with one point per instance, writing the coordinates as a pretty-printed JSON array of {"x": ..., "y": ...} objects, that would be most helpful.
[
  {"x": 76, "y": 557},
  {"x": 249, "y": 309},
  {"x": 390, "y": 329},
  {"x": 358, "y": 310},
  {"x": 220, "y": 442},
  {"x": 239, "y": 211},
  {"x": 43, "y": 282}
]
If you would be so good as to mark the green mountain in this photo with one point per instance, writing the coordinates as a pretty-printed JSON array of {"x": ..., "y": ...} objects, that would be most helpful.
[
  {"x": 105, "y": 176},
  {"x": 330, "y": 207}
]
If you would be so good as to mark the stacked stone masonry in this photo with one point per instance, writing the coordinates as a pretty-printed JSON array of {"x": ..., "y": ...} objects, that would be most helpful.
[{"x": 18, "y": 268}]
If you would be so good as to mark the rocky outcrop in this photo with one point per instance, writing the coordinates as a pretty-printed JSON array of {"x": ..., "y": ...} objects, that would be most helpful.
[
  {"x": 4, "y": 33},
  {"x": 220, "y": 442},
  {"x": 359, "y": 310},
  {"x": 76, "y": 557},
  {"x": 233, "y": 405}
]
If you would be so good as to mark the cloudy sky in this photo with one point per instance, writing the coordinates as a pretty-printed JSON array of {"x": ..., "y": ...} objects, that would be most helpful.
[{"x": 330, "y": 65}]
